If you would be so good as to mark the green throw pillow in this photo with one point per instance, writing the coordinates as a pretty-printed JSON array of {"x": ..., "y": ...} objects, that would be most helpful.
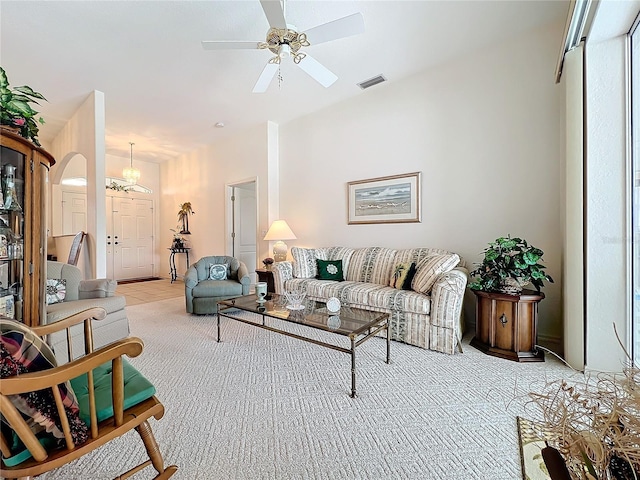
[{"x": 330, "y": 270}]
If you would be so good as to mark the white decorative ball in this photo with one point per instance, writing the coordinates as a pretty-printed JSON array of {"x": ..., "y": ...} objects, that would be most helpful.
[{"x": 333, "y": 304}]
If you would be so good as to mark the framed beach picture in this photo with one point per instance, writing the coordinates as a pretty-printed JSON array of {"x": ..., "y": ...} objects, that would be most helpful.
[{"x": 393, "y": 199}]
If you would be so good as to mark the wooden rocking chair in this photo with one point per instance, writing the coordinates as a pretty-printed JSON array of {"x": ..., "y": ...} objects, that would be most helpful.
[{"x": 109, "y": 416}]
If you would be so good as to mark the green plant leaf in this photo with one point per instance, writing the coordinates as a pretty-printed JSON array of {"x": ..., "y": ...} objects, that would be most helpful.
[
  {"x": 21, "y": 108},
  {"x": 4, "y": 81},
  {"x": 531, "y": 257},
  {"x": 491, "y": 255},
  {"x": 29, "y": 91}
]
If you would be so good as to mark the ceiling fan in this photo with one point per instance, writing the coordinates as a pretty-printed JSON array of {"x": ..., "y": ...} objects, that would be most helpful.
[{"x": 284, "y": 40}]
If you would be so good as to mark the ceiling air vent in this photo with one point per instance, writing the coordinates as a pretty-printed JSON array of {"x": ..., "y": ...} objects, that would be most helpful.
[{"x": 372, "y": 81}]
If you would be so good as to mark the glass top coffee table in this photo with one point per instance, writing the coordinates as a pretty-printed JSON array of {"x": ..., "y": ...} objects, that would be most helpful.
[{"x": 356, "y": 324}]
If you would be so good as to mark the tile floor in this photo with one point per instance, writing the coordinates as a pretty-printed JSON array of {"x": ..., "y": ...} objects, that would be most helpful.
[{"x": 150, "y": 291}]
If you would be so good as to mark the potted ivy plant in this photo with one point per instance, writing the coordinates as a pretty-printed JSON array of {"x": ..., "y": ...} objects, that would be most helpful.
[
  {"x": 16, "y": 110},
  {"x": 508, "y": 265}
]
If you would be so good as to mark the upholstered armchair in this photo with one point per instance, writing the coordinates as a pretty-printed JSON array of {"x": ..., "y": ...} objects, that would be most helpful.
[{"x": 205, "y": 285}]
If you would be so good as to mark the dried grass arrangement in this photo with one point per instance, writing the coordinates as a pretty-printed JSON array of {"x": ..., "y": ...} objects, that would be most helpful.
[{"x": 592, "y": 427}]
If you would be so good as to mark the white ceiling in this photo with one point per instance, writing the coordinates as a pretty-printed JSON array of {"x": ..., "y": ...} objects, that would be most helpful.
[{"x": 165, "y": 93}]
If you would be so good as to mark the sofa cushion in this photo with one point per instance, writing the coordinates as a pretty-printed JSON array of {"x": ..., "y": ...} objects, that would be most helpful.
[
  {"x": 202, "y": 266},
  {"x": 330, "y": 270},
  {"x": 217, "y": 288},
  {"x": 371, "y": 265},
  {"x": 56, "y": 290},
  {"x": 59, "y": 311},
  {"x": 71, "y": 273},
  {"x": 340, "y": 253},
  {"x": 97, "y": 288},
  {"x": 429, "y": 269},
  {"x": 402, "y": 275},
  {"x": 304, "y": 261},
  {"x": 396, "y": 300}
]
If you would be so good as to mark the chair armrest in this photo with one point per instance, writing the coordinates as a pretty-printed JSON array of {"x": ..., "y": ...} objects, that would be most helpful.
[
  {"x": 244, "y": 278},
  {"x": 30, "y": 382},
  {"x": 97, "y": 288},
  {"x": 282, "y": 271},
  {"x": 95, "y": 313},
  {"x": 191, "y": 277}
]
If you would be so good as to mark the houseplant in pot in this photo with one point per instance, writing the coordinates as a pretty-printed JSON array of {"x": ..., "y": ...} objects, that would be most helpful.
[
  {"x": 16, "y": 110},
  {"x": 508, "y": 265}
]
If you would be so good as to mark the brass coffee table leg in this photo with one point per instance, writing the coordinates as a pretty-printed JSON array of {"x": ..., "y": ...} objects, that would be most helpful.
[
  {"x": 218, "y": 315},
  {"x": 388, "y": 341},
  {"x": 353, "y": 366}
]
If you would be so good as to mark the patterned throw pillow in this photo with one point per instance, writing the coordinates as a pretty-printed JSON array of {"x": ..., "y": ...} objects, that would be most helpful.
[
  {"x": 330, "y": 270},
  {"x": 21, "y": 351},
  {"x": 427, "y": 270},
  {"x": 218, "y": 271},
  {"x": 56, "y": 290},
  {"x": 402, "y": 276}
]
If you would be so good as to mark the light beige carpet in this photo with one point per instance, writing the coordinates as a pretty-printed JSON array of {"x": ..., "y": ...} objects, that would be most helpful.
[{"x": 260, "y": 405}]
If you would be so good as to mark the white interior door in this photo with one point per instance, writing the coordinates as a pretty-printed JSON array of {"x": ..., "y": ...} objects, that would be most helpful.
[
  {"x": 244, "y": 216},
  {"x": 132, "y": 238},
  {"x": 74, "y": 212}
]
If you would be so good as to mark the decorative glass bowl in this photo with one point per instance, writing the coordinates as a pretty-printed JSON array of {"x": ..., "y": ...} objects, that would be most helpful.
[{"x": 294, "y": 299}]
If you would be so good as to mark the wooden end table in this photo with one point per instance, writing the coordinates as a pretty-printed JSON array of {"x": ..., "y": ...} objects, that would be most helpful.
[
  {"x": 265, "y": 275},
  {"x": 507, "y": 325}
]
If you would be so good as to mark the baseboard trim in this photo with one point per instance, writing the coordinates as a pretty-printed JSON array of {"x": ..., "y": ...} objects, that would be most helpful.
[{"x": 553, "y": 343}]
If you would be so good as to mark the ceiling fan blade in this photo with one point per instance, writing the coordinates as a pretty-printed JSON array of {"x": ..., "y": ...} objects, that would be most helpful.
[
  {"x": 317, "y": 71},
  {"x": 274, "y": 12},
  {"x": 265, "y": 78},
  {"x": 229, "y": 45},
  {"x": 340, "y": 28}
]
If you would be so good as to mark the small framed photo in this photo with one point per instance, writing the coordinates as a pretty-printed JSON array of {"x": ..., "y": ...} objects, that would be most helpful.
[{"x": 393, "y": 199}]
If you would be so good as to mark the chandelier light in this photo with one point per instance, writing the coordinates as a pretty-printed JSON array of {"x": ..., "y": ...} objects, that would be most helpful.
[{"x": 130, "y": 174}]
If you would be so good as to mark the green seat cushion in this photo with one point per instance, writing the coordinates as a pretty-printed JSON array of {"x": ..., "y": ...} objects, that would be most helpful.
[
  {"x": 21, "y": 453},
  {"x": 136, "y": 389},
  {"x": 217, "y": 288}
]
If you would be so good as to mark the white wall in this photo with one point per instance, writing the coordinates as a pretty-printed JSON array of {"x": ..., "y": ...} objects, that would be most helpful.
[
  {"x": 487, "y": 131},
  {"x": 200, "y": 178},
  {"x": 84, "y": 134}
]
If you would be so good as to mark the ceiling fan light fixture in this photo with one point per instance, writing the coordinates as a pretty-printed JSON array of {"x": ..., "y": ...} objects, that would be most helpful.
[
  {"x": 285, "y": 51},
  {"x": 130, "y": 174}
]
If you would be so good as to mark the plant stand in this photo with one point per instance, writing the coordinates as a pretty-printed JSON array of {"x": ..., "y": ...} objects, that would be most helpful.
[{"x": 507, "y": 325}]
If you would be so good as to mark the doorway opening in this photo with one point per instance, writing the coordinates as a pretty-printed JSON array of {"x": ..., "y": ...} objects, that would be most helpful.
[{"x": 242, "y": 224}]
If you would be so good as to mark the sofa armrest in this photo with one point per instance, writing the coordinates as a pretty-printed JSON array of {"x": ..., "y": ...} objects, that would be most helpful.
[
  {"x": 282, "y": 271},
  {"x": 97, "y": 288},
  {"x": 244, "y": 278},
  {"x": 447, "y": 296}
]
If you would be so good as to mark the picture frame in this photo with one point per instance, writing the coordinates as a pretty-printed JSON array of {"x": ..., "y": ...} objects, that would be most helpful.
[{"x": 391, "y": 199}]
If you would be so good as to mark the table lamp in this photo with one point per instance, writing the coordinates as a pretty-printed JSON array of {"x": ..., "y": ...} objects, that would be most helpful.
[{"x": 279, "y": 231}]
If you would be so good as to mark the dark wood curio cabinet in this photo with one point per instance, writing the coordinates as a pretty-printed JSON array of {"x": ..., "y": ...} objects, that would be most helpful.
[{"x": 24, "y": 172}]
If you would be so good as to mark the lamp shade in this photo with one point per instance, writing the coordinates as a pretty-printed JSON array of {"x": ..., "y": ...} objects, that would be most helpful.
[{"x": 279, "y": 230}]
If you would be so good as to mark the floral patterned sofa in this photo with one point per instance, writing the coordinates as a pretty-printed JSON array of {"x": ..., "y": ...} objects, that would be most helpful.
[{"x": 425, "y": 310}]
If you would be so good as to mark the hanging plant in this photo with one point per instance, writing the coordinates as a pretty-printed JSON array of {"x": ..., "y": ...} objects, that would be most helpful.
[
  {"x": 16, "y": 111},
  {"x": 183, "y": 216}
]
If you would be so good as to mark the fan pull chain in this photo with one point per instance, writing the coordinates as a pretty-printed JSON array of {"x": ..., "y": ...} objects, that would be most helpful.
[{"x": 280, "y": 79}]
